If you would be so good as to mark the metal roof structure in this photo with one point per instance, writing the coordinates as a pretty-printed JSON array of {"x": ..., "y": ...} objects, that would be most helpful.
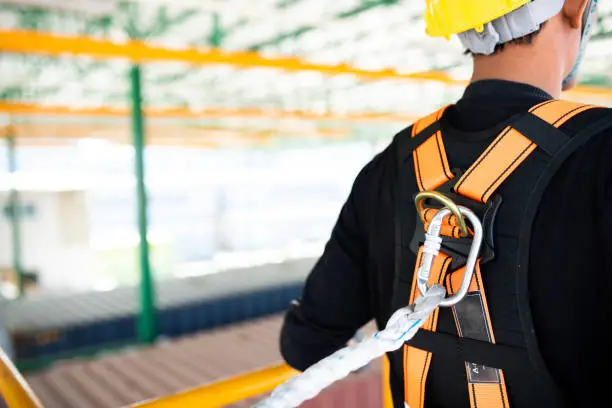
[{"x": 310, "y": 59}]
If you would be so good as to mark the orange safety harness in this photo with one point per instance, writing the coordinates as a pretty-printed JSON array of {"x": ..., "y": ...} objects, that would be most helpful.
[{"x": 474, "y": 188}]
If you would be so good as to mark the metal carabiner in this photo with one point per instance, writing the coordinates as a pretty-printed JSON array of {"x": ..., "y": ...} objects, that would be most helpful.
[{"x": 432, "y": 246}]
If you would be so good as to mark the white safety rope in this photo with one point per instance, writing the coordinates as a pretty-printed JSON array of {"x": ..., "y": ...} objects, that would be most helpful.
[{"x": 402, "y": 326}]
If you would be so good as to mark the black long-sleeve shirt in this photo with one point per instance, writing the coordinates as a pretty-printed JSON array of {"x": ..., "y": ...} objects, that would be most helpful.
[{"x": 570, "y": 276}]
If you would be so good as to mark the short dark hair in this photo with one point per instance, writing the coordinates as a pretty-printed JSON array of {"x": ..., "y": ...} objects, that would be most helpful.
[{"x": 524, "y": 40}]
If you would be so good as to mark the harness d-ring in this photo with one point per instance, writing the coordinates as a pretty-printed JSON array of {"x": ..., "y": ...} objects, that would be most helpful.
[{"x": 433, "y": 242}]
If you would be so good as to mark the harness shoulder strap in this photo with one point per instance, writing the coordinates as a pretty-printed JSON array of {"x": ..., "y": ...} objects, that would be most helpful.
[
  {"x": 430, "y": 162},
  {"x": 515, "y": 144},
  {"x": 531, "y": 205}
]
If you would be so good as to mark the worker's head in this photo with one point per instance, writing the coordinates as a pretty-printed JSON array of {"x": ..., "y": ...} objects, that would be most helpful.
[{"x": 488, "y": 28}]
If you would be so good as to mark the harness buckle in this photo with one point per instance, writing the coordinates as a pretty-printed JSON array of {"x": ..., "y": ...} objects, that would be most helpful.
[{"x": 433, "y": 242}]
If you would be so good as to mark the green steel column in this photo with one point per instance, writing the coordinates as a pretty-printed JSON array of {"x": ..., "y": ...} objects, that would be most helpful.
[
  {"x": 14, "y": 209},
  {"x": 217, "y": 33},
  {"x": 147, "y": 330}
]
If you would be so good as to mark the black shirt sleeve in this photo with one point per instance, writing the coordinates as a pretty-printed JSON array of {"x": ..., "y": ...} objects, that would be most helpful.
[{"x": 335, "y": 300}]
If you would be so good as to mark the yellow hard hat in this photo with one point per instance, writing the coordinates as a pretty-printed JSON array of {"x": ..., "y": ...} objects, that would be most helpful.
[{"x": 444, "y": 18}]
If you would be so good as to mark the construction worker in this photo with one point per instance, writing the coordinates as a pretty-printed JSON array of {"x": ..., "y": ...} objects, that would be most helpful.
[{"x": 537, "y": 171}]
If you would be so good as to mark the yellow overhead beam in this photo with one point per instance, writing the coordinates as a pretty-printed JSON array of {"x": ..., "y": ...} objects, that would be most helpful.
[
  {"x": 52, "y": 134},
  {"x": 33, "y": 42},
  {"x": 68, "y": 130},
  {"x": 24, "y": 109}
]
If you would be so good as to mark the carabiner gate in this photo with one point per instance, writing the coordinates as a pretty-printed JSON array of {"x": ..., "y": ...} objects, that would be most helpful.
[{"x": 432, "y": 246}]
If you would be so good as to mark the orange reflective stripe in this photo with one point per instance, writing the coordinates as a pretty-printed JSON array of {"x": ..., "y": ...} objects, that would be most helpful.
[
  {"x": 416, "y": 361},
  {"x": 430, "y": 162},
  {"x": 482, "y": 394},
  {"x": 509, "y": 150}
]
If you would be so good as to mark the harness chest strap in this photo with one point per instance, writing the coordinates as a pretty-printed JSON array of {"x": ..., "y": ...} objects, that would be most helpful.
[{"x": 513, "y": 145}]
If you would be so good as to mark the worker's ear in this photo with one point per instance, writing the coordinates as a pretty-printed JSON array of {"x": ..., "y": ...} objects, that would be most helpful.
[{"x": 573, "y": 11}]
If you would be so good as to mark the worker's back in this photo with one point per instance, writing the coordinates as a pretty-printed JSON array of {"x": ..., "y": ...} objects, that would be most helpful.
[{"x": 568, "y": 274}]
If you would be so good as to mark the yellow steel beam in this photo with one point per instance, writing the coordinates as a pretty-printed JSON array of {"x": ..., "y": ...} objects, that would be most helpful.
[
  {"x": 162, "y": 134},
  {"x": 25, "y": 109},
  {"x": 116, "y": 131},
  {"x": 225, "y": 392},
  {"x": 13, "y": 388},
  {"x": 33, "y": 42}
]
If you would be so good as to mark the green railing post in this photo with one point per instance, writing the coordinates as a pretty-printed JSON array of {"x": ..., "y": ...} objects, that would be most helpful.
[
  {"x": 217, "y": 33},
  {"x": 14, "y": 209},
  {"x": 146, "y": 323}
]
